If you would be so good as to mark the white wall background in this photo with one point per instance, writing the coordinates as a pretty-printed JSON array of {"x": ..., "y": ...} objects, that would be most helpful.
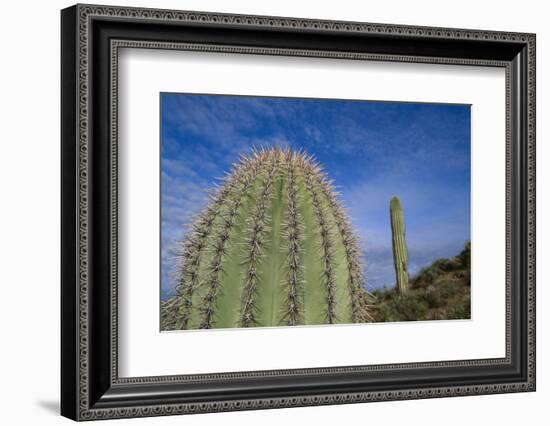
[{"x": 29, "y": 211}]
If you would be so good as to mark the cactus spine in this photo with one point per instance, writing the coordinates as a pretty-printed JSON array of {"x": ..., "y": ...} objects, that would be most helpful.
[
  {"x": 399, "y": 244},
  {"x": 273, "y": 247}
]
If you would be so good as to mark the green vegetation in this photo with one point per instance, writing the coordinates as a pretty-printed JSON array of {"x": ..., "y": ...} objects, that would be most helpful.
[
  {"x": 440, "y": 291},
  {"x": 399, "y": 246},
  {"x": 274, "y": 247}
]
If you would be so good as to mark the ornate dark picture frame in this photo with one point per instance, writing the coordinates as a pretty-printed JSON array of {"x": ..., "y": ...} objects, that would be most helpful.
[{"x": 90, "y": 38}]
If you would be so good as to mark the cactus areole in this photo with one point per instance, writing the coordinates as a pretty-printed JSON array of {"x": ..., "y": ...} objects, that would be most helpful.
[
  {"x": 400, "y": 253},
  {"x": 273, "y": 248}
]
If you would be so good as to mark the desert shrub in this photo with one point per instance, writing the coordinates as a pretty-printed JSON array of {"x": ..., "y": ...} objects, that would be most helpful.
[
  {"x": 425, "y": 277},
  {"x": 464, "y": 255},
  {"x": 448, "y": 289},
  {"x": 460, "y": 310},
  {"x": 404, "y": 309},
  {"x": 432, "y": 297},
  {"x": 447, "y": 265},
  {"x": 439, "y": 291},
  {"x": 383, "y": 294}
]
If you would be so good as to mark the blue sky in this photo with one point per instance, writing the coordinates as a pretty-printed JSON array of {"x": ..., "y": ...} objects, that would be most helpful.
[{"x": 372, "y": 151}]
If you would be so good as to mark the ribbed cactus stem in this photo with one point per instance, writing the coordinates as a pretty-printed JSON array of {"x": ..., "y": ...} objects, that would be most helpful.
[
  {"x": 274, "y": 247},
  {"x": 257, "y": 231},
  {"x": 193, "y": 248},
  {"x": 216, "y": 267},
  {"x": 351, "y": 244},
  {"x": 326, "y": 247},
  {"x": 400, "y": 253},
  {"x": 202, "y": 229},
  {"x": 293, "y": 233}
]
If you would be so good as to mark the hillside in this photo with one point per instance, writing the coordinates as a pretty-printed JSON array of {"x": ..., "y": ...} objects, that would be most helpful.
[{"x": 438, "y": 292}]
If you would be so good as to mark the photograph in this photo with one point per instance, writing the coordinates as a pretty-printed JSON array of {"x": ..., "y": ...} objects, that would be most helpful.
[{"x": 279, "y": 211}]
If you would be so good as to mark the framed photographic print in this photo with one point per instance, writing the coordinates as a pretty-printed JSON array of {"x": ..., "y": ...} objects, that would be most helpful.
[{"x": 263, "y": 212}]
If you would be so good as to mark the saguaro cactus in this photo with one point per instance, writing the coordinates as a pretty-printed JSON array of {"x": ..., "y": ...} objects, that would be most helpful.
[
  {"x": 274, "y": 247},
  {"x": 400, "y": 253}
]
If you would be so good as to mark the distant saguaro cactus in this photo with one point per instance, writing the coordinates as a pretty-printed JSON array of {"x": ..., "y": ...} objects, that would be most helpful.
[
  {"x": 274, "y": 247},
  {"x": 399, "y": 244}
]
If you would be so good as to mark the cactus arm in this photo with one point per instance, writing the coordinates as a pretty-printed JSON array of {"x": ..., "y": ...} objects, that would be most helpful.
[{"x": 399, "y": 245}]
